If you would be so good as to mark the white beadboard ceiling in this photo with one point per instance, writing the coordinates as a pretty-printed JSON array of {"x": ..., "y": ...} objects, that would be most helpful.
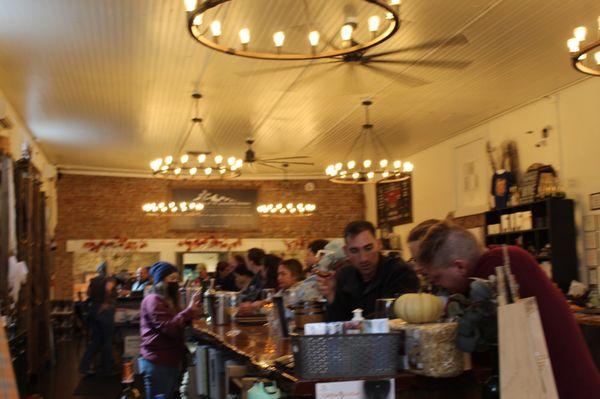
[{"x": 106, "y": 84}]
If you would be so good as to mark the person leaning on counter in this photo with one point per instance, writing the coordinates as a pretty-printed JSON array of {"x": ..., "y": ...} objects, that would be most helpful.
[
  {"x": 368, "y": 277},
  {"x": 451, "y": 256}
]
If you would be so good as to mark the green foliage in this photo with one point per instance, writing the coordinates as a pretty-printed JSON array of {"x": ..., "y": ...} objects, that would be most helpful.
[{"x": 476, "y": 316}]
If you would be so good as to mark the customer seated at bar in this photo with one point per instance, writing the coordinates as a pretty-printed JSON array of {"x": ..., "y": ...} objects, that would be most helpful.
[
  {"x": 451, "y": 257},
  {"x": 225, "y": 276},
  {"x": 271, "y": 263},
  {"x": 242, "y": 277},
  {"x": 413, "y": 242},
  {"x": 289, "y": 273},
  {"x": 370, "y": 275},
  {"x": 255, "y": 261},
  {"x": 142, "y": 279},
  {"x": 312, "y": 253}
]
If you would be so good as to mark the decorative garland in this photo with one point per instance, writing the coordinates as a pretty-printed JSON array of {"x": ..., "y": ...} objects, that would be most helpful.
[
  {"x": 210, "y": 242},
  {"x": 297, "y": 244},
  {"x": 118, "y": 243}
]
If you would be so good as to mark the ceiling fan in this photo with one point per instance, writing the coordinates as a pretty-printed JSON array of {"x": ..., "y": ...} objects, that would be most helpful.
[
  {"x": 375, "y": 61},
  {"x": 280, "y": 163}
]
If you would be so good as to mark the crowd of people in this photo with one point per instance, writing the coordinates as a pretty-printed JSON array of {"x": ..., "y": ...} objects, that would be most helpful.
[{"x": 444, "y": 257}]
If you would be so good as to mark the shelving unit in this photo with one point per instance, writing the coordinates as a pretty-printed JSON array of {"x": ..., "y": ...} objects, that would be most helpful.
[
  {"x": 62, "y": 316},
  {"x": 551, "y": 238}
]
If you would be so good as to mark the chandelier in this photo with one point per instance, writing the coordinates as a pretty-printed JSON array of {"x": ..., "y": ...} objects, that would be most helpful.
[
  {"x": 368, "y": 166},
  {"x": 208, "y": 25},
  {"x": 172, "y": 208},
  {"x": 581, "y": 51},
  {"x": 289, "y": 210},
  {"x": 196, "y": 164}
]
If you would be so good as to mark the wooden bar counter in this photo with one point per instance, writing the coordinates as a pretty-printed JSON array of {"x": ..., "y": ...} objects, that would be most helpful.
[{"x": 255, "y": 345}]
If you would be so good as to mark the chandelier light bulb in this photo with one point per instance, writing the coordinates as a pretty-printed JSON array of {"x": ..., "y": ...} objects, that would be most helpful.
[
  {"x": 231, "y": 161},
  {"x": 351, "y": 164},
  {"x": 278, "y": 39},
  {"x": 193, "y": 171},
  {"x": 215, "y": 28},
  {"x": 338, "y": 166},
  {"x": 169, "y": 160},
  {"x": 184, "y": 158},
  {"x": 202, "y": 158},
  {"x": 171, "y": 204},
  {"x": 385, "y": 174},
  {"x": 394, "y": 2},
  {"x": 177, "y": 171},
  {"x": 397, "y": 164},
  {"x": 219, "y": 159},
  {"x": 582, "y": 57},
  {"x": 355, "y": 175},
  {"x": 573, "y": 45},
  {"x": 383, "y": 163},
  {"x": 346, "y": 32},
  {"x": 222, "y": 171},
  {"x": 408, "y": 167},
  {"x": 198, "y": 19},
  {"x": 580, "y": 32},
  {"x": 367, "y": 163},
  {"x": 156, "y": 164},
  {"x": 190, "y": 5},
  {"x": 374, "y": 23},
  {"x": 371, "y": 175},
  {"x": 245, "y": 36},
  {"x": 207, "y": 171},
  {"x": 279, "y": 206},
  {"x": 313, "y": 38},
  {"x": 597, "y": 57}
]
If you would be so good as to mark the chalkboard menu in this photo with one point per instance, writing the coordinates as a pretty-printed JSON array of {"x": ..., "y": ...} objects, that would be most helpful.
[
  {"x": 394, "y": 203},
  {"x": 224, "y": 209}
]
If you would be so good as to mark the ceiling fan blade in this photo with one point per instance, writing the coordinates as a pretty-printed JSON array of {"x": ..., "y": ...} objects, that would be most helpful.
[
  {"x": 284, "y": 158},
  {"x": 426, "y": 63},
  {"x": 270, "y": 166},
  {"x": 283, "y": 68},
  {"x": 399, "y": 77},
  {"x": 457, "y": 40},
  {"x": 290, "y": 163}
]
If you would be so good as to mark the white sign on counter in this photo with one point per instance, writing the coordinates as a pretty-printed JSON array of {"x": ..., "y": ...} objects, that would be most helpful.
[{"x": 384, "y": 389}]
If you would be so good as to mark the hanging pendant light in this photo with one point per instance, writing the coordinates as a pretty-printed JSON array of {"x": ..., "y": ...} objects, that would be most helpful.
[{"x": 367, "y": 161}]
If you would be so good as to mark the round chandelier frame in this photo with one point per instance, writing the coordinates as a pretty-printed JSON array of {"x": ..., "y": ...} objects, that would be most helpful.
[
  {"x": 196, "y": 9},
  {"x": 364, "y": 169},
  {"x": 196, "y": 164},
  {"x": 291, "y": 209},
  {"x": 173, "y": 208},
  {"x": 583, "y": 57}
]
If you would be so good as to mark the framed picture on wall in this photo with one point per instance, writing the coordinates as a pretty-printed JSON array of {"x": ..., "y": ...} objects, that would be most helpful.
[
  {"x": 471, "y": 173},
  {"x": 595, "y": 201},
  {"x": 394, "y": 203}
]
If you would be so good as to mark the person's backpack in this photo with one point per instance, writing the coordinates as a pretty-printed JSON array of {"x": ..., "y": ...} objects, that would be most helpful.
[{"x": 97, "y": 289}]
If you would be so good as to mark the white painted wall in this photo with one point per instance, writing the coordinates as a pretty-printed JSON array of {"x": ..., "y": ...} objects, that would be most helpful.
[
  {"x": 19, "y": 134},
  {"x": 573, "y": 148}
]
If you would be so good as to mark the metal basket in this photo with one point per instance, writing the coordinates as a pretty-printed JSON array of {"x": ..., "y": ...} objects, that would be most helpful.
[{"x": 346, "y": 356}]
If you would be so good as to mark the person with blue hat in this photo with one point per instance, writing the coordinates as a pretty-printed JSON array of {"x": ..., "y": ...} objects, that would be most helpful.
[{"x": 162, "y": 326}]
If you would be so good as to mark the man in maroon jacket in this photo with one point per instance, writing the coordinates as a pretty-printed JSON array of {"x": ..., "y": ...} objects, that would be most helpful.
[{"x": 451, "y": 256}]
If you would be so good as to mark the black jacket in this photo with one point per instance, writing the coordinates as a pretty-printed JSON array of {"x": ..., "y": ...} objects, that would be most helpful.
[{"x": 392, "y": 278}]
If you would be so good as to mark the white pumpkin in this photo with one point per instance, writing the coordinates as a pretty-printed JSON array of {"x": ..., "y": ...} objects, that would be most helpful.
[{"x": 419, "y": 308}]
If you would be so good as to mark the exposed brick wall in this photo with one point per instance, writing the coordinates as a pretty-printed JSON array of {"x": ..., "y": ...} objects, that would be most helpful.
[{"x": 93, "y": 207}]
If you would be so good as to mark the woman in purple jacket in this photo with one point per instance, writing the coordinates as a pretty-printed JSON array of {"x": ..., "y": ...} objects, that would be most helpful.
[{"x": 161, "y": 329}]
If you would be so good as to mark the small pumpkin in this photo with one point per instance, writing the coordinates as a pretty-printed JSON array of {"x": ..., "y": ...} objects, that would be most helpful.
[{"x": 419, "y": 308}]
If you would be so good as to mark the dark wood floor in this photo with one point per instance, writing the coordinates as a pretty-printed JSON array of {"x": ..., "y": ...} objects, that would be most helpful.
[{"x": 60, "y": 381}]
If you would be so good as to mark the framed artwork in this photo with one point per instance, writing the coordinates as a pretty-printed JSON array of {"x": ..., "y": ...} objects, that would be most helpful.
[
  {"x": 394, "y": 203},
  {"x": 472, "y": 175}
]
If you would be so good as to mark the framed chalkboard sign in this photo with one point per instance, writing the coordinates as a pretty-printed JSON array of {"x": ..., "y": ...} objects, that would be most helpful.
[
  {"x": 224, "y": 209},
  {"x": 394, "y": 203}
]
